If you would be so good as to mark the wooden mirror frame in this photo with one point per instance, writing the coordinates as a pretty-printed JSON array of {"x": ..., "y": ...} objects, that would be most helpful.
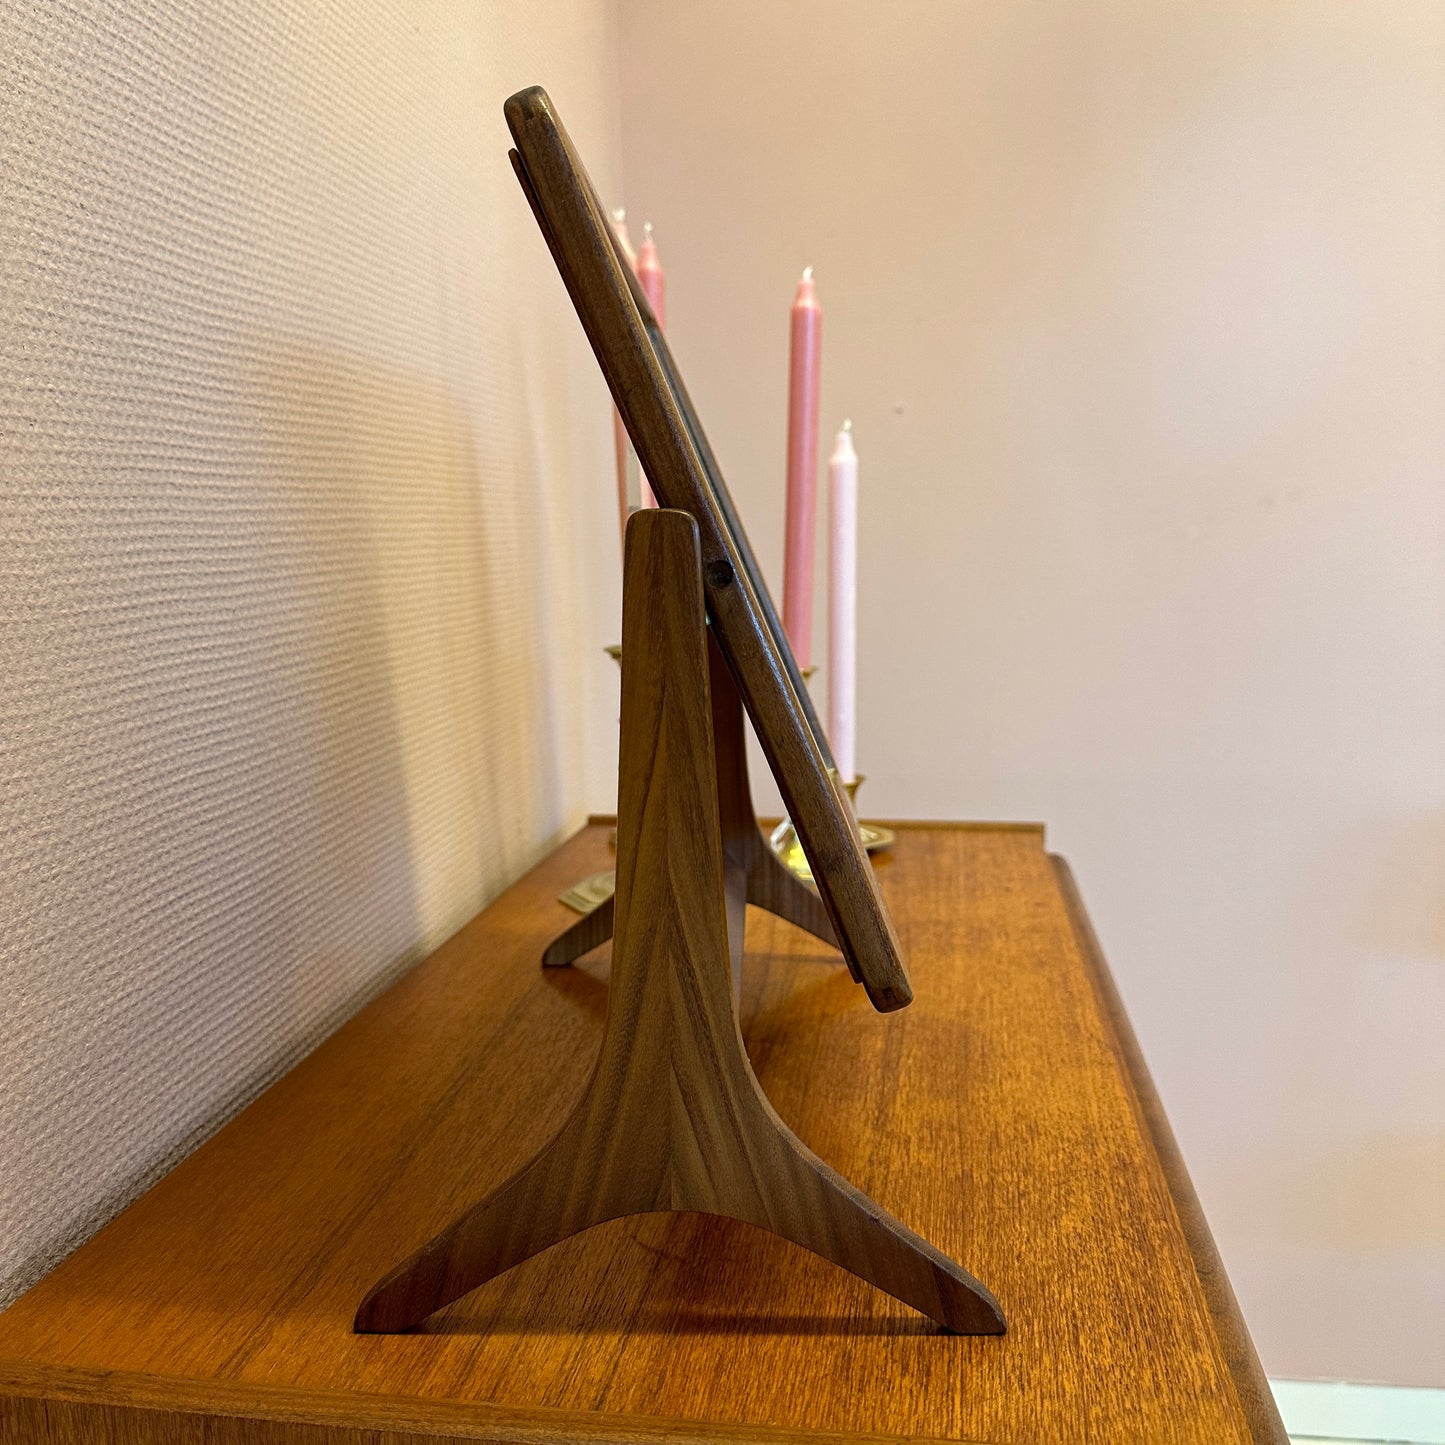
[{"x": 683, "y": 472}]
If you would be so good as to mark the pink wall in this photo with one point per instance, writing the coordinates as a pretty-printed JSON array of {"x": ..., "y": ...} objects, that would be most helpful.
[{"x": 1137, "y": 309}]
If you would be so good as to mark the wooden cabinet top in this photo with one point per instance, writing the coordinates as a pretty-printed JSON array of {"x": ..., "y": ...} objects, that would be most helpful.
[{"x": 1006, "y": 1116}]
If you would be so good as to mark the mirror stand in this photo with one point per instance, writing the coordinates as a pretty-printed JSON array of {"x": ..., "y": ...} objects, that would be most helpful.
[{"x": 674, "y": 1118}]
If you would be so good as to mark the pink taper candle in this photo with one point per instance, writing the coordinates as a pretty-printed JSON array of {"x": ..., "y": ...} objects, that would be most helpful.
[
  {"x": 621, "y": 445},
  {"x": 654, "y": 286},
  {"x": 804, "y": 368},
  {"x": 843, "y": 604}
]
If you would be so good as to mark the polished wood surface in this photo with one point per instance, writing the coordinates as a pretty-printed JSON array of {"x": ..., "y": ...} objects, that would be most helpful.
[
  {"x": 1005, "y": 1116},
  {"x": 670, "y": 443},
  {"x": 673, "y": 1117}
]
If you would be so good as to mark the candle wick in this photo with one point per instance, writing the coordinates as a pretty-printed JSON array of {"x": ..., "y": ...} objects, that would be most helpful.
[
  {"x": 848, "y": 425},
  {"x": 647, "y": 229},
  {"x": 807, "y": 273},
  {"x": 620, "y": 215}
]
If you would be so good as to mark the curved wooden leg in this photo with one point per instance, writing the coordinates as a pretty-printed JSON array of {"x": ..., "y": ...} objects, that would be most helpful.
[
  {"x": 813, "y": 1206},
  {"x": 536, "y": 1208},
  {"x": 582, "y": 937},
  {"x": 772, "y": 887},
  {"x": 522, "y": 1218},
  {"x": 768, "y": 885}
]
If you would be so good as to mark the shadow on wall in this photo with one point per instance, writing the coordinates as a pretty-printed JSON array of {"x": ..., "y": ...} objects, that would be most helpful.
[
  {"x": 411, "y": 748},
  {"x": 319, "y": 711},
  {"x": 282, "y": 754}
]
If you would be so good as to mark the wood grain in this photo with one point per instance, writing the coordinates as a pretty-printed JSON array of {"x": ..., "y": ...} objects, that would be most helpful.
[
  {"x": 668, "y": 437},
  {"x": 673, "y": 1117},
  {"x": 999, "y": 1116},
  {"x": 43, "y": 1403}
]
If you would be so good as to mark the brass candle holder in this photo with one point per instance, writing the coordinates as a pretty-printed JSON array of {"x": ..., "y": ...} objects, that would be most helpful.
[
  {"x": 590, "y": 893},
  {"x": 789, "y": 847}
]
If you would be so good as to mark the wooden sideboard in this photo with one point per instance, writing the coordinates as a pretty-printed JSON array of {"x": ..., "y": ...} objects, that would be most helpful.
[{"x": 1007, "y": 1116}]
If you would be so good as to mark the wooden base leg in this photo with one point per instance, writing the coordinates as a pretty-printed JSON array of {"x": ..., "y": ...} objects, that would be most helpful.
[
  {"x": 586, "y": 934},
  {"x": 674, "y": 1118},
  {"x": 768, "y": 882}
]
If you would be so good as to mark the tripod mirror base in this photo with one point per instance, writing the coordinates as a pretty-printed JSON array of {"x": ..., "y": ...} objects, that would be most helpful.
[{"x": 673, "y": 1117}]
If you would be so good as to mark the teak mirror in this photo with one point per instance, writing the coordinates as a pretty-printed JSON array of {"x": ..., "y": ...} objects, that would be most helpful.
[{"x": 674, "y": 452}]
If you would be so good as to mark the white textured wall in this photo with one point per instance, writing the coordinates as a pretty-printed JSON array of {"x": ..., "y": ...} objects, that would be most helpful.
[
  {"x": 297, "y": 545},
  {"x": 1138, "y": 310}
]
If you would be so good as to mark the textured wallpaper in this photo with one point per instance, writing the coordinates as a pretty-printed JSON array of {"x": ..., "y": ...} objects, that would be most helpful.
[{"x": 307, "y": 546}]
